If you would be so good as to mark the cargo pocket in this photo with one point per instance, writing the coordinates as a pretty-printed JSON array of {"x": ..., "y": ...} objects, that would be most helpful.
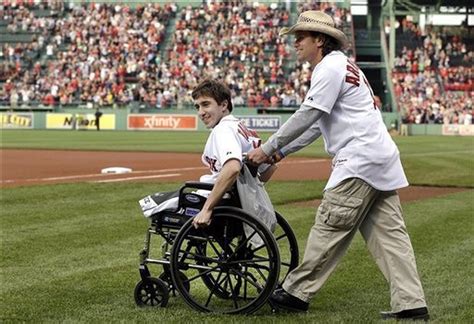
[{"x": 339, "y": 211}]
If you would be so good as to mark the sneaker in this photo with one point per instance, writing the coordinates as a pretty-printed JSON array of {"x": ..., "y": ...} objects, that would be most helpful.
[{"x": 408, "y": 314}]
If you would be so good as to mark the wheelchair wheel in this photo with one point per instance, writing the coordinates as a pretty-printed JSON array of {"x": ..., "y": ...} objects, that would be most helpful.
[
  {"x": 151, "y": 292},
  {"x": 208, "y": 278},
  {"x": 287, "y": 247},
  {"x": 166, "y": 277},
  {"x": 232, "y": 266}
]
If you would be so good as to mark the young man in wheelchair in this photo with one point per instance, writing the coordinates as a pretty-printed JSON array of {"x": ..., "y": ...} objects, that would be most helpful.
[
  {"x": 227, "y": 143},
  {"x": 218, "y": 236}
]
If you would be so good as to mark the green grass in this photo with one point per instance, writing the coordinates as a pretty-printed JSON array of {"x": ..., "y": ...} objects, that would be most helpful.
[
  {"x": 428, "y": 160},
  {"x": 70, "y": 253},
  {"x": 105, "y": 140}
]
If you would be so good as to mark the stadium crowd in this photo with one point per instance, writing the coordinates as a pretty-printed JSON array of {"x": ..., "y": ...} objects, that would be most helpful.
[
  {"x": 84, "y": 64},
  {"x": 433, "y": 77},
  {"x": 113, "y": 54}
]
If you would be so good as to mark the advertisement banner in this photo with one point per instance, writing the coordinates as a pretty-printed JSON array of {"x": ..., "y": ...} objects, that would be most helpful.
[
  {"x": 262, "y": 123},
  {"x": 59, "y": 121},
  {"x": 16, "y": 120},
  {"x": 79, "y": 121},
  {"x": 462, "y": 130},
  {"x": 161, "y": 122}
]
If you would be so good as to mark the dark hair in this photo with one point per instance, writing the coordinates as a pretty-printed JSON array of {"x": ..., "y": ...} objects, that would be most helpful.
[
  {"x": 329, "y": 43},
  {"x": 213, "y": 89}
]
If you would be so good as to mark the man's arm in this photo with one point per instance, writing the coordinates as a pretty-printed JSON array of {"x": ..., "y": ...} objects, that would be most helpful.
[
  {"x": 267, "y": 174},
  {"x": 308, "y": 137},
  {"x": 302, "y": 120},
  {"x": 226, "y": 178}
]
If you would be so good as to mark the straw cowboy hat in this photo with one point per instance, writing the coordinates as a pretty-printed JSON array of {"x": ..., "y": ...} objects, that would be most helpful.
[{"x": 316, "y": 21}]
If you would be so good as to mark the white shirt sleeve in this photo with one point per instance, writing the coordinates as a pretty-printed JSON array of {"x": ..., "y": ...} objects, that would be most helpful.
[
  {"x": 326, "y": 83},
  {"x": 308, "y": 137},
  {"x": 226, "y": 145}
]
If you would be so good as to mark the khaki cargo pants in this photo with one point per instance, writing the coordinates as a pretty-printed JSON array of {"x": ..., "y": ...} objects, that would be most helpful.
[{"x": 350, "y": 206}]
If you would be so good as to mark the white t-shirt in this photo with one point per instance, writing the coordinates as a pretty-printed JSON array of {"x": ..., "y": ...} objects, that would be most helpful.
[
  {"x": 353, "y": 129},
  {"x": 229, "y": 139}
]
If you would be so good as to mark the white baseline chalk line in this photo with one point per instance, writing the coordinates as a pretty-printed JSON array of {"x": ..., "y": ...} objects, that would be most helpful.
[{"x": 139, "y": 178}]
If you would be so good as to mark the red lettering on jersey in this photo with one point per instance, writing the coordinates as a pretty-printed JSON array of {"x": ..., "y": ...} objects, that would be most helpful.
[
  {"x": 371, "y": 91},
  {"x": 212, "y": 163},
  {"x": 248, "y": 133},
  {"x": 256, "y": 144},
  {"x": 353, "y": 75},
  {"x": 245, "y": 132}
]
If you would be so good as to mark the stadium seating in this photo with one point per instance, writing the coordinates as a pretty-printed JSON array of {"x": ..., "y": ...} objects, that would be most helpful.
[
  {"x": 433, "y": 76},
  {"x": 152, "y": 55},
  {"x": 58, "y": 57}
]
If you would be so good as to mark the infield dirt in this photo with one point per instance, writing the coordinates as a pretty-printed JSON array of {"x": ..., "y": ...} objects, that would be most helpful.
[{"x": 33, "y": 167}]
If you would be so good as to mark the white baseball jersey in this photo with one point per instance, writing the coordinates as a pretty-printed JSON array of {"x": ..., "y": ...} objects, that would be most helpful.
[
  {"x": 229, "y": 139},
  {"x": 352, "y": 128}
]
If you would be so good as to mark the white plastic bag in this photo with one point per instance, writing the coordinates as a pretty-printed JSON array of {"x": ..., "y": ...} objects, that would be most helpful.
[{"x": 256, "y": 202}]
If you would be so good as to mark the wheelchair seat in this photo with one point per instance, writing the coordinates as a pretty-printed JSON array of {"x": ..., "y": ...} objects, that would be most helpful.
[{"x": 175, "y": 208}]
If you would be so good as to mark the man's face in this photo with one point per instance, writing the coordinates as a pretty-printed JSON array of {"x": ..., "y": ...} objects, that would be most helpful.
[
  {"x": 306, "y": 47},
  {"x": 210, "y": 111}
]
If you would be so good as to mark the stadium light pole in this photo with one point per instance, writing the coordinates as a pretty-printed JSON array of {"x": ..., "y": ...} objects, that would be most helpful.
[{"x": 391, "y": 8}]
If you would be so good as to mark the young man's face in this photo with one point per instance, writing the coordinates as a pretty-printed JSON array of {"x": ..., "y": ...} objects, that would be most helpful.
[
  {"x": 210, "y": 111},
  {"x": 307, "y": 47}
]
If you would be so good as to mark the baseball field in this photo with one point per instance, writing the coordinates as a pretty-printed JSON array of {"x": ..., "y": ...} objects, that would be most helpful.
[{"x": 70, "y": 236}]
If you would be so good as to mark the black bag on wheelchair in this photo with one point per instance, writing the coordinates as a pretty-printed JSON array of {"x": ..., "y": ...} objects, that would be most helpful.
[{"x": 170, "y": 208}]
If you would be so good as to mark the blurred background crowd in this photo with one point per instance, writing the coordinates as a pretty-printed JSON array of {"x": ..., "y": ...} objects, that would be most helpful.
[{"x": 153, "y": 55}]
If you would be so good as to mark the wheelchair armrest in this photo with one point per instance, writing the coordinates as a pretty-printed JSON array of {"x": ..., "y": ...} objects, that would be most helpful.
[{"x": 198, "y": 185}]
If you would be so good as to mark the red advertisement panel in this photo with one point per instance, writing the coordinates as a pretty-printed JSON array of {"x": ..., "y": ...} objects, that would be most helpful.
[{"x": 162, "y": 122}]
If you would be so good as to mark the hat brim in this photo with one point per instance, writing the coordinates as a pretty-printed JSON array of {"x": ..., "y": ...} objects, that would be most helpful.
[{"x": 333, "y": 32}]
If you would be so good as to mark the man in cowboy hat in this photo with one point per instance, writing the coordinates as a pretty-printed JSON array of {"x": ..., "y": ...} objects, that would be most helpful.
[{"x": 361, "y": 191}]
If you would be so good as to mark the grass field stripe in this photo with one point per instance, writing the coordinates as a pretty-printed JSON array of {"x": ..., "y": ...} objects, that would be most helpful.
[
  {"x": 437, "y": 153},
  {"x": 139, "y": 178}
]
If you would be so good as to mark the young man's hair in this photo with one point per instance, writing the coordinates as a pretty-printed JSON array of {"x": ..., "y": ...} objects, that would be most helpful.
[
  {"x": 329, "y": 43},
  {"x": 213, "y": 89}
]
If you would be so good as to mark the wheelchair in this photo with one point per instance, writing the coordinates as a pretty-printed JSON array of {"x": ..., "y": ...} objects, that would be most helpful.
[{"x": 221, "y": 268}]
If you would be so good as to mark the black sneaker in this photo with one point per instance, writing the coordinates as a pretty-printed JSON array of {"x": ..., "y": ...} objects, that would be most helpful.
[
  {"x": 284, "y": 300},
  {"x": 408, "y": 314}
]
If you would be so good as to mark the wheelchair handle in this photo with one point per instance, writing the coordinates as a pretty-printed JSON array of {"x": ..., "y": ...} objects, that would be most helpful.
[{"x": 252, "y": 168}]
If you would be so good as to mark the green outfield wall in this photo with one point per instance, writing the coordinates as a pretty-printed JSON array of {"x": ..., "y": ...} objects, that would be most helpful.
[{"x": 184, "y": 120}]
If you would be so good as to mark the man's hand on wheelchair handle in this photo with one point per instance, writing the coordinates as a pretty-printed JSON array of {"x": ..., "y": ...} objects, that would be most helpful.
[
  {"x": 257, "y": 156},
  {"x": 203, "y": 219}
]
